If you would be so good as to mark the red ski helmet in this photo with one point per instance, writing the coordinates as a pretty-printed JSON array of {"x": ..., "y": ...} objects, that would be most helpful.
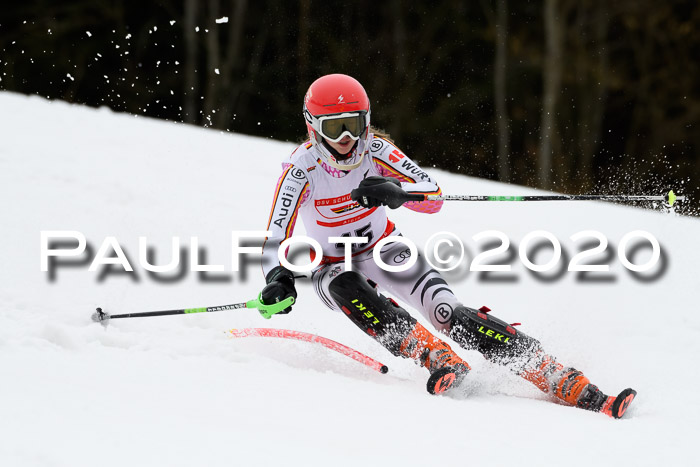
[{"x": 336, "y": 106}]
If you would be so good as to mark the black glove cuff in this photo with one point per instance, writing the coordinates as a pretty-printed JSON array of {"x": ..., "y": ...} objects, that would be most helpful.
[
  {"x": 280, "y": 274},
  {"x": 378, "y": 180}
]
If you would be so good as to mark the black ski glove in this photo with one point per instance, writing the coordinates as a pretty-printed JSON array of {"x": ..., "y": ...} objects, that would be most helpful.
[
  {"x": 379, "y": 191},
  {"x": 280, "y": 285}
]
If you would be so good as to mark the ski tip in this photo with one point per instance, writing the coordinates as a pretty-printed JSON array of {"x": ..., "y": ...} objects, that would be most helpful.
[
  {"x": 622, "y": 402},
  {"x": 446, "y": 378},
  {"x": 441, "y": 381}
]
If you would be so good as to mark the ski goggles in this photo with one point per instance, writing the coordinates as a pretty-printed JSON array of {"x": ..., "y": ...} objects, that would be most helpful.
[{"x": 336, "y": 127}]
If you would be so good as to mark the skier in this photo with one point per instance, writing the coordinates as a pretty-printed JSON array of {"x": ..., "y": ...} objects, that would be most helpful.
[{"x": 341, "y": 180}]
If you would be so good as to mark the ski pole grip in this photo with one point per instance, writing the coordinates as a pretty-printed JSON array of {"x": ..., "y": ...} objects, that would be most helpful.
[
  {"x": 415, "y": 197},
  {"x": 268, "y": 310}
]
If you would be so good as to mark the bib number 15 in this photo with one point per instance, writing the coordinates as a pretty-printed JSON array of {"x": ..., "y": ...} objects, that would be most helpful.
[{"x": 364, "y": 231}]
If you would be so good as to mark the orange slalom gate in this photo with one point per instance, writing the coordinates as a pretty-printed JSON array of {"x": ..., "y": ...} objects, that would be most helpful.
[{"x": 306, "y": 337}]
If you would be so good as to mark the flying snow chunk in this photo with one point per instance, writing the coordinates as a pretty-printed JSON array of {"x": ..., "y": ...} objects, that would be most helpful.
[
  {"x": 88, "y": 33},
  {"x": 69, "y": 76},
  {"x": 216, "y": 70},
  {"x": 223, "y": 19},
  {"x": 172, "y": 22}
]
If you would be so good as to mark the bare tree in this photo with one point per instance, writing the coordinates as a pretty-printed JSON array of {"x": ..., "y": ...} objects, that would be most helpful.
[
  {"x": 303, "y": 46},
  {"x": 219, "y": 101},
  {"x": 191, "y": 56},
  {"x": 213, "y": 49},
  {"x": 498, "y": 21},
  {"x": 592, "y": 69},
  {"x": 500, "y": 72},
  {"x": 551, "y": 77},
  {"x": 231, "y": 62}
]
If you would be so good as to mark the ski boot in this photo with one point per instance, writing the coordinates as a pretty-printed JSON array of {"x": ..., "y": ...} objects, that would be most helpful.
[
  {"x": 501, "y": 343},
  {"x": 399, "y": 332},
  {"x": 446, "y": 368},
  {"x": 575, "y": 389},
  {"x": 572, "y": 387}
]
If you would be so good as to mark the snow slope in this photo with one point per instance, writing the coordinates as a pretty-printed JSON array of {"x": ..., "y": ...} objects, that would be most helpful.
[{"x": 173, "y": 391}]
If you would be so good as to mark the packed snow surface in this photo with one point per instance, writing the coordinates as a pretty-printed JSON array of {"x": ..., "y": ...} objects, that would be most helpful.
[{"x": 176, "y": 391}]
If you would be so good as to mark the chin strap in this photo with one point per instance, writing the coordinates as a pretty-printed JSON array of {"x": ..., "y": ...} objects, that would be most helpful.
[
  {"x": 332, "y": 155},
  {"x": 333, "y": 163}
]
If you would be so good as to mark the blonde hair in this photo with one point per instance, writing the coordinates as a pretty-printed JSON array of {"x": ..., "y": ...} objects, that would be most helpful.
[{"x": 378, "y": 132}]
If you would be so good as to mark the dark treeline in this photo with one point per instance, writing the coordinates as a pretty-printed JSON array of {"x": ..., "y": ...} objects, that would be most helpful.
[{"x": 576, "y": 96}]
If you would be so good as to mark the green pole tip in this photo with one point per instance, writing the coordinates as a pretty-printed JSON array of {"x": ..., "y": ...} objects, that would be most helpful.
[{"x": 671, "y": 198}]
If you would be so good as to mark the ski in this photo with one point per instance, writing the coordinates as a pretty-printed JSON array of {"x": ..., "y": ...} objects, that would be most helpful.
[
  {"x": 616, "y": 407},
  {"x": 444, "y": 379}
]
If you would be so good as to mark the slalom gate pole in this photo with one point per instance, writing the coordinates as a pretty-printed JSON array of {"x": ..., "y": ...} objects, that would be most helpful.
[
  {"x": 306, "y": 337},
  {"x": 265, "y": 310},
  {"x": 669, "y": 198}
]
